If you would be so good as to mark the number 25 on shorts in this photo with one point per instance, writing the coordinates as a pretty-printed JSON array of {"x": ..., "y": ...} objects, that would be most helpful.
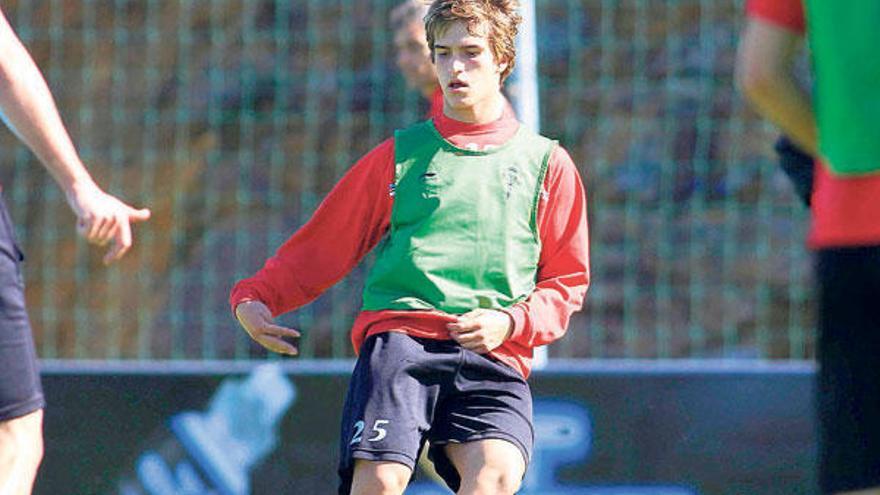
[{"x": 377, "y": 432}]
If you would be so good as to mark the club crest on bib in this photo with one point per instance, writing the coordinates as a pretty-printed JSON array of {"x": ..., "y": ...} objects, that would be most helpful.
[{"x": 511, "y": 178}]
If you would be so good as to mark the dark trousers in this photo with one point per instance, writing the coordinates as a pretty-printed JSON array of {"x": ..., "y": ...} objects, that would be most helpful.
[{"x": 849, "y": 368}]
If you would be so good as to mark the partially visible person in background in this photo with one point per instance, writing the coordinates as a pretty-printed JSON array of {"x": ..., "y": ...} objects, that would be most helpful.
[
  {"x": 29, "y": 110},
  {"x": 412, "y": 54},
  {"x": 844, "y": 136}
]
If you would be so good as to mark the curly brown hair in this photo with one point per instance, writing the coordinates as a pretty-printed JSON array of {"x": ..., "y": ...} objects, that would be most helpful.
[{"x": 500, "y": 16}]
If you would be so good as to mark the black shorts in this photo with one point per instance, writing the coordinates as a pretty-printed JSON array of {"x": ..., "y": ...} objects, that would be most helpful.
[
  {"x": 406, "y": 390},
  {"x": 20, "y": 389},
  {"x": 849, "y": 368}
]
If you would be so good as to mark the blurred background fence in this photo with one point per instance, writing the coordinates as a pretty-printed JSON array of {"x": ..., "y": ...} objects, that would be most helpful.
[{"x": 231, "y": 119}]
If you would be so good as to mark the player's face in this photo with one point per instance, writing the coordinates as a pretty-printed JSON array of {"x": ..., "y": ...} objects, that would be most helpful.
[
  {"x": 468, "y": 73},
  {"x": 414, "y": 58}
]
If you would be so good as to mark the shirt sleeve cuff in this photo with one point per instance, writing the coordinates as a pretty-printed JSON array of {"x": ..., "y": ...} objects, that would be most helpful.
[
  {"x": 241, "y": 297},
  {"x": 518, "y": 320},
  {"x": 787, "y": 14}
]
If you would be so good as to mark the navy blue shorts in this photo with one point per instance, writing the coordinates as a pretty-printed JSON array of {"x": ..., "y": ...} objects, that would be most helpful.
[
  {"x": 20, "y": 389},
  {"x": 849, "y": 375},
  {"x": 407, "y": 390}
]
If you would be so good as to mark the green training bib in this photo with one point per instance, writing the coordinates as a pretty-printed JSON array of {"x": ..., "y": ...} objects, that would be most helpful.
[
  {"x": 845, "y": 43},
  {"x": 463, "y": 231}
]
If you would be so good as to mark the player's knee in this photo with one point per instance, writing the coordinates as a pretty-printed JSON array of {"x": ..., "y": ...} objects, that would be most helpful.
[
  {"x": 495, "y": 480},
  {"x": 380, "y": 484},
  {"x": 392, "y": 482},
  {"x": 372, "y": 478}
]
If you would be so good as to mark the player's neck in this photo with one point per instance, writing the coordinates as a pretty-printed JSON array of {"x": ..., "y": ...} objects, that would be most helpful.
[{"x": 482, "y": 112}]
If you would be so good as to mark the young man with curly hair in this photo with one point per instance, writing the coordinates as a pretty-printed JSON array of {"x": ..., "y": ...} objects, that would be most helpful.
[{"x": 480, "y": 228}]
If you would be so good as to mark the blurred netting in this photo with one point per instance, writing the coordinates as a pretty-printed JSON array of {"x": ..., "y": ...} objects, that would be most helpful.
[{"x": 232, "y": 119}]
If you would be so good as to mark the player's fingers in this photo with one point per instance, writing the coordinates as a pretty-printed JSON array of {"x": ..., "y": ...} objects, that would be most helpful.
[
  {"x": 476, "y": 345},
  {"x": 474, "y": 341},
  {"x": 123, "y": 234},
  {"x": 93, "y": 229},
  {"x": 463, "y": 326},
  {"x": 121, "y": 244},
  {"x": 279, "y": 331},
  {"x": 116, "y": 252},
  {"x": 138, "y": 215},
  {"x": 278, "y": 345},
  {"x": 108, "y": 230},
  {"x": 265, "y": 326},
  {"x": 466, "y": 338},
  {"x": 90, "y": 225},
  {"x": 102, "y": 231}
]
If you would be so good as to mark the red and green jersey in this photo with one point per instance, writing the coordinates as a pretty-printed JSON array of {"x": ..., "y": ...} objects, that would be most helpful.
[
  {"x": 463, "y": 230},
  {"x": 355, "y": 217},
  {"x": 846, "y": 197}
]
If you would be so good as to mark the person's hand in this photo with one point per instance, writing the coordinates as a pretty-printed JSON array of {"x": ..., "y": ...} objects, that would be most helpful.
[
  {"x": 103, "y": 219},
  {"x": 256, "y": 319},
  {"x": 481, "y": 330},
  {"x": 798, "y": 165}
]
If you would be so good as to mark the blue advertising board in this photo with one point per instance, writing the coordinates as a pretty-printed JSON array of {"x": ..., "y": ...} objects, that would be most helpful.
[{"x": 605, "y": 428}]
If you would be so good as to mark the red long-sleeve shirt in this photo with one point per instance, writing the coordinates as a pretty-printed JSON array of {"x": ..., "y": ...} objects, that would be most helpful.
[
  {"x": 846, "y": 210},
  {"x": 355, "y": 216}
]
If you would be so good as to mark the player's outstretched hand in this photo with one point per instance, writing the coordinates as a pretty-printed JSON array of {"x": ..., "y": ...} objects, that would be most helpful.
[
  {"x": 481, "y": 330},
  {"x": 256, "y": 319},
  {"x": 103, "y": 219}
]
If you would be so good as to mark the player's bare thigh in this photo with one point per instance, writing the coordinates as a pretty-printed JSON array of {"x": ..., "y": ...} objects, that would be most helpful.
[
  {"x": 487, "y": 467},
  {"x": 21, "y": 450},
  {"x": 379, "y": 478},
  {"x": 23, "y": 433}
]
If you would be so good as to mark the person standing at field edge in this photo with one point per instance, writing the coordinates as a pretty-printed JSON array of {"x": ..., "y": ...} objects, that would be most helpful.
[
  {"x": 27, "y": 106},
  {"x": 843, "y": 133}
]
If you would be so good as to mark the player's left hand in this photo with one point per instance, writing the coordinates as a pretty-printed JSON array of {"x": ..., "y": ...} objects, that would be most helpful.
[
  {"x": 256, "y": 319},
  {"x": 481, "y": 330}
]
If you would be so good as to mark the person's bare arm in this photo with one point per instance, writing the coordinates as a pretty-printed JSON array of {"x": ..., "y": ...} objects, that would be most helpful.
[
  {"x": 28, "y": 108},
  {"x": 765, "y": 74}
]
